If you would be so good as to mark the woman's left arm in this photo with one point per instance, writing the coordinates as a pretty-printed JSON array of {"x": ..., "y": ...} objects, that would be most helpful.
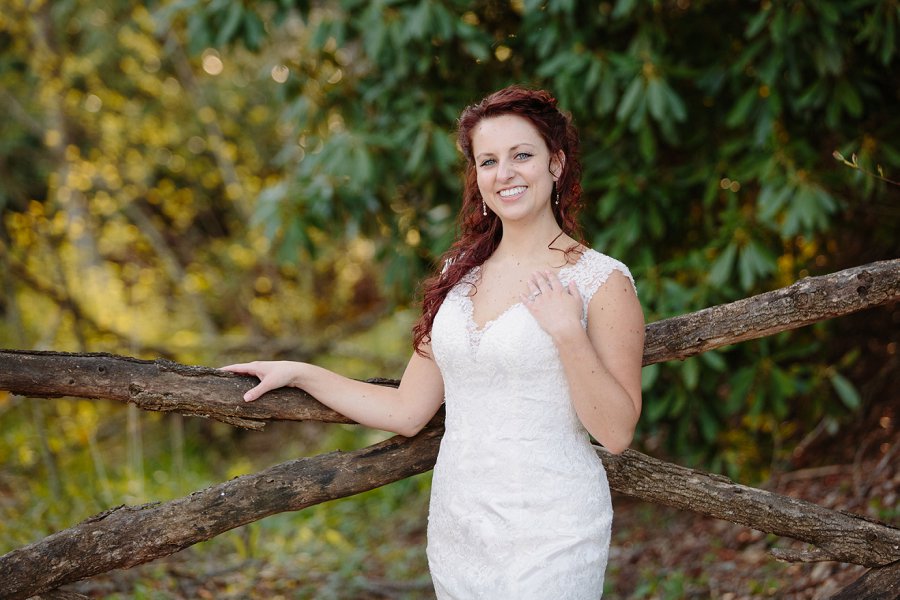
[{"x": 602, "y": 364}]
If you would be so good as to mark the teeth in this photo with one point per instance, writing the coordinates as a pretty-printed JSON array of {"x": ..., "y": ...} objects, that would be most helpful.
[{"x": 512, "y": 191}]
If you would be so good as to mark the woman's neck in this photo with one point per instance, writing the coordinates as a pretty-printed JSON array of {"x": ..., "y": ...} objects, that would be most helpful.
[{"x": 530, "y": 244}]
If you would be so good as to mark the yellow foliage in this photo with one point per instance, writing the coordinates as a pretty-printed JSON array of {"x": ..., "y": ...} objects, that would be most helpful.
[
  {"x": 241, "y": 466},
  {"x": 263, "y": 285},
  {"x": 26, "y": 456},
  {"x": 52, "y": 138},
  {"x": 206, "y": 114},
  {"x": 334, "y": 537}
]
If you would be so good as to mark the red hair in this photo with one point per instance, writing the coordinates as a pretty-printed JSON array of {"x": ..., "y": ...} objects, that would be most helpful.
[{"x": 479, "y": 235}]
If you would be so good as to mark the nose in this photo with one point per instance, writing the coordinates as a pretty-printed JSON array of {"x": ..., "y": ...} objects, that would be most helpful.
[{"x": 505, "y": 170}]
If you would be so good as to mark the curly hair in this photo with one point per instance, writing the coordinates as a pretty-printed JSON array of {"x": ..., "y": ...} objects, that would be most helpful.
[{"x": 479, "y": 235}]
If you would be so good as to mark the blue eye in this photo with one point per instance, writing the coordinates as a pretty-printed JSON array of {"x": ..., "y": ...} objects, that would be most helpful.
[
  {"x": 488, "y": 162},
  {"x": 523, "y": 156}
]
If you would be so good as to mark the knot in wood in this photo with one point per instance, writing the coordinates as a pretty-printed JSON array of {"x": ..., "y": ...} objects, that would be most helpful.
[{"x": 865, "y": 282}]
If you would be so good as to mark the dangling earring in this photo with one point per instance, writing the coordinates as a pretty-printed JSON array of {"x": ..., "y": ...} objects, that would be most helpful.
[
  {"x": 557, "y": 195},
  {"x": 483, "y": 209}
]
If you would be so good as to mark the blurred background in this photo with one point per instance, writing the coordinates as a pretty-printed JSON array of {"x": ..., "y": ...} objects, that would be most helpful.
[{"x": 216, "y": 181}]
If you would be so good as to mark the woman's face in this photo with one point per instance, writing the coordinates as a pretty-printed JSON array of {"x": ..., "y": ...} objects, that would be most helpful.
[{"x": 514, "y": 167}]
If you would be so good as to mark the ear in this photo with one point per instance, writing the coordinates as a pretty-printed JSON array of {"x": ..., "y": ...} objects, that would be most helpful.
[{"x": 557, "y": 165}]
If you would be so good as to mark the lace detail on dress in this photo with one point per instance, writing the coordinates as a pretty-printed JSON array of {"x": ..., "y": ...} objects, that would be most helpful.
[
  {"x": 592, "y": 270},
  {"x": 589, "y": 272},
  {"x": 520, "y": 505}
]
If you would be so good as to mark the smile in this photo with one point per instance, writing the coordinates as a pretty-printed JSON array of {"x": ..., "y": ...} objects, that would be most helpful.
[{"x": 512, "y": 191}]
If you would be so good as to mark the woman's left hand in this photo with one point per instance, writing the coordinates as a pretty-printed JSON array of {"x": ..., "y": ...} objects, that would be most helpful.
[{"x": 556, "y": 307}]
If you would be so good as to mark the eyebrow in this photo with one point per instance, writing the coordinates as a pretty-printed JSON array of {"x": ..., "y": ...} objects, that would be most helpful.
[{"x": 512, "y": 149}]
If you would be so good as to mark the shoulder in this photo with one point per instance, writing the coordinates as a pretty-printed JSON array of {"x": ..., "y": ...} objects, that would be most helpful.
[
  {"x": 613, "y": 312},
  {"x": 593, "y": 269}
]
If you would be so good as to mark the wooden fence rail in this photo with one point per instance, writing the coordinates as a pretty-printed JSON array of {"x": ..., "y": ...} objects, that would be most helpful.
[{"x": 126, "y": 536}]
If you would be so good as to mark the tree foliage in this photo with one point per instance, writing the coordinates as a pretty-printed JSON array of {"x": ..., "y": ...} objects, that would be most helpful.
[
  {"x": 183, "y": 176},
  {"x": 708, "y": 133}
]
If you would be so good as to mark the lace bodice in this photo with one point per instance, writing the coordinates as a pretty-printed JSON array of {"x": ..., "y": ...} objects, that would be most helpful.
[{"x": 520, "y": 504}]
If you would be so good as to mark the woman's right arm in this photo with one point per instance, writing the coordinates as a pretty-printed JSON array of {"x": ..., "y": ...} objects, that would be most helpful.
[{"x": 404, "y": 410}]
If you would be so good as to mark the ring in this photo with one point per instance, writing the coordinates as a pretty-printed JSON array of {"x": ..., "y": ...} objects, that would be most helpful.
[{"x": 535, "y": 295}]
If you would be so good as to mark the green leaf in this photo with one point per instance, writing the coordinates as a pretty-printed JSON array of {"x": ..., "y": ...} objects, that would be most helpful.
[
  {"x": 649, "y": 374},
  {"x": 417, "y": 20},
  {"x": 721, "y": 268},
  {"x": 714, "y": 360},
  {"x": 254, "y": 31},
  {"x": 417, "y": 152},
  {"x": 771, "y": 200},
  {"x": 233, "y": 20},
  {"x": 656, "y": 100},
  {"x": 709, "y": 425},
  {"x": 846, "y": 391},
  {"x": 741, "y": 111},
  {"x": 754, "y": 262},
  {"x": 741, "y": 383},
  {"x": 690, "y": 373},
  {"x": 630, "y": 98},
  {"x": 756, "y": 24},
  {"x": 655, "y": 409},
  {"x": 849, "y": 97},
  {"x": 623, "y": 8},
  {"x": 677, "y": 108}
]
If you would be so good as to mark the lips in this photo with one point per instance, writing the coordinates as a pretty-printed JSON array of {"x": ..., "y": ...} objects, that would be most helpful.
[{"x": 510, "y": 192}]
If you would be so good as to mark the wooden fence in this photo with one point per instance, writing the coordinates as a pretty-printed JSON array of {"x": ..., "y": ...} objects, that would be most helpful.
[{"x": 125, "y": 536}]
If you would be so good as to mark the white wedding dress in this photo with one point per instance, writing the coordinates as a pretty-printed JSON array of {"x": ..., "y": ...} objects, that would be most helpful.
[{"x": 520, "y": 505}]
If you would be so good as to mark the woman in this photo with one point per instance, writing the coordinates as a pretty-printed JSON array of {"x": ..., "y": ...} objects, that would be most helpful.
[{"x": 533, "y": 341}]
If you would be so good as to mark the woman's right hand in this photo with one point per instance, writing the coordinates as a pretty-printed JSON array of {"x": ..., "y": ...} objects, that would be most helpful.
[{"x": 272, "y": 374}]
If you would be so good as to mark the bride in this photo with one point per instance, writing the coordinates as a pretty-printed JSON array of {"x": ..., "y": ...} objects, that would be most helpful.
[{"x": 534, "y": 343}]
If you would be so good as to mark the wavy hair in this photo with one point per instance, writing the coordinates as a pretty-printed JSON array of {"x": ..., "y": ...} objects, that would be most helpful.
[{"x": 479, "y": 235}]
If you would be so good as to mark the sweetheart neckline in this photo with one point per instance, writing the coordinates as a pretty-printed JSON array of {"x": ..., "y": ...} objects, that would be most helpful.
[{"x": 479, "y": 330}]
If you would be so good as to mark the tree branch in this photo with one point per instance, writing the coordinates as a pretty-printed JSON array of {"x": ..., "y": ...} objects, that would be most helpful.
[
  {"x": 838, "y": 535},
  {"x": 166, "y": 386},
  {"x": 882, "y": 583},
  {"x": 126, "y": 536},
  {"x": 805, "y": 302},
  {"x": 159, "y": 385}
]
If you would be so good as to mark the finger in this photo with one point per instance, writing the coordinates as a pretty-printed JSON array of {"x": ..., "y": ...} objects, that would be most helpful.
[
  {"x": 540, "y": 282},
  {"x": 547, "y": 276},
  {"x": 236, "y": 368},
  {"x": 573, "y": 289},
  {"x": 255, "y": 392}
]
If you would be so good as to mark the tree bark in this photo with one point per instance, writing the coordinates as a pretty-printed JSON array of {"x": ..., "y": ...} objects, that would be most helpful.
[
  {"x": 807, "y": 301},
  {"x": 876, "y": 584},
  {"x": 166, "y": 386},
  {"x": 156, "y": 385},
  {"x": 838, "y": 535}
]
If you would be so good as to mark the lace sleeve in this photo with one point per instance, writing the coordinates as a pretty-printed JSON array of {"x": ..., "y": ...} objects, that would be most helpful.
[{"x": 593, "y": 270}]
